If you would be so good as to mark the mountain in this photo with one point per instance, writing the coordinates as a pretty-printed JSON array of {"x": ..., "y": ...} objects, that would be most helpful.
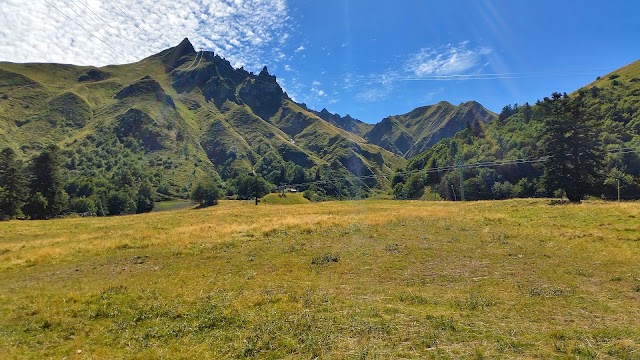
[
  {"x": 412, "y": 133},
  {"x": 612, "y": 100},
  {"x": 178, "y": 116},
  {"x": 348, "y": 123}
]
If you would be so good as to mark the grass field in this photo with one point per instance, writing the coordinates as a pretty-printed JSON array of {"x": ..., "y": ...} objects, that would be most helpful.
[{"x": 361, "y": 279}]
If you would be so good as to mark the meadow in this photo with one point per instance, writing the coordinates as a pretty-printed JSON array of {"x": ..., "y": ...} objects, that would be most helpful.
[{"x": 352, "y": 279}]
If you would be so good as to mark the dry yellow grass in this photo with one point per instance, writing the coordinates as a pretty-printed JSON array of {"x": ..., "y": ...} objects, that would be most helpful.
[{"x": 361, "y": 279}]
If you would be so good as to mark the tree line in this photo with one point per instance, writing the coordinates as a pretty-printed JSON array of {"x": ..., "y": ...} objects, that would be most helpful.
[
  {"x": 568, "y": 135},
  {"x": 38, "y": 190}
]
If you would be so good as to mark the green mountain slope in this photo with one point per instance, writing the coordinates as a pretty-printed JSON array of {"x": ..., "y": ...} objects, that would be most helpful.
[
  {"x": 178, "y": 116},
  {"x": 410, "y": 134},
  {"x": 614, "y": 101}
]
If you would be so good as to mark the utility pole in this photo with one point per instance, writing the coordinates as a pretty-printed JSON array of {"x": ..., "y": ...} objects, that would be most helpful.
[
  {"x": 618, "y": 189},
  {"x": 454, "y": 193},
  {"x": 255, "y": 185}
]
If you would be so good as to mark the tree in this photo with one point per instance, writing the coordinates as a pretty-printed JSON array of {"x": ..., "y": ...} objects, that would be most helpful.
[
  {"x": 144, "y": 199},
  {"x": 13, "y": 184},
  {"x": 206, "y": 193},
  {"x": 571, "y": 141},
  {"x": 46, "y": 180},
  {"x": 249, "y": 186}
]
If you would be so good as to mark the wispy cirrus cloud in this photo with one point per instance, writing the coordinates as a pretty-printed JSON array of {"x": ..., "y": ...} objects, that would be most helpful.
[
  {"x": 101, "y": 32},
  {"x": 449, "y": 60}
]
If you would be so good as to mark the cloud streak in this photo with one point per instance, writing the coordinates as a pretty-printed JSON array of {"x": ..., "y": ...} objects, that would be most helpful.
[
  {"x": 249, "y": 33},
  {"x": 452, "y": 59}
]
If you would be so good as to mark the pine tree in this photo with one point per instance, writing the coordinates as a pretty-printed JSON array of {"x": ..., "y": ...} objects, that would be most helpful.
[
  {"x": 571, "y": 140},
  {"x": 13, "y": 184},
  {"x": 47, "y": 198}
]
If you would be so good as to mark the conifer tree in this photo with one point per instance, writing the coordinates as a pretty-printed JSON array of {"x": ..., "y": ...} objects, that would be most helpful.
[
  {"x": 47, "y": 197},
  {"x": 13, "y": 184},
  {"x": 572, "y": 144}
]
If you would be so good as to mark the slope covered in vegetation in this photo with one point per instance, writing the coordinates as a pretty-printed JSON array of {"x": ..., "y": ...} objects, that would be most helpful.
[
  {"x": 512, "y": 150},
  {"x": 172, "y": 119}
]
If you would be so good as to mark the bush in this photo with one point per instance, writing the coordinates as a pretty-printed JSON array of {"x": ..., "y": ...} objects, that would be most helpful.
[
  {"x": 144, "y": 199},
  {"x": 81, "y": 205},
  {"x": 325, "y": 259},
  {"x": 36, "y": 206},
  {"x": 118, "y": 202},
  {"x": 311, "y": 196}
]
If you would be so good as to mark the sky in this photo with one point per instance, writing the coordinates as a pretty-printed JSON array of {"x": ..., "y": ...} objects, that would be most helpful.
[{"x": 367, "y": 58}]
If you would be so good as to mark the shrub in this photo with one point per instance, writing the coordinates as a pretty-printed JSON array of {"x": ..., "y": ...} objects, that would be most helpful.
[
  {"x": 144, "y": 199},
  {"x": 81, "y": 205},
  {"x": 325, "y": 259},
  {"x": 118, "y": 202}
]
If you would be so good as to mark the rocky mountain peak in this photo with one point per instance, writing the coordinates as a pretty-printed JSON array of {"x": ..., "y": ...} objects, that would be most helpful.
[{"x": 172, "y": 57}]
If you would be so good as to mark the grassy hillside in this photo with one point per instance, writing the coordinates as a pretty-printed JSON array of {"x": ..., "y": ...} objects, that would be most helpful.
[
  {"x": 613, "y": 101},
  {"x": 412, "y": 133},
  {"x": 365, "y": 279},
  {"x": 180, "y": 115}
]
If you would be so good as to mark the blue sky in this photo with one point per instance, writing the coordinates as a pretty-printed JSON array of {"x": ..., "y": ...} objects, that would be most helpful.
[
  {"x": 377, "y": 58},
  {"x": 366, "y": 58}
]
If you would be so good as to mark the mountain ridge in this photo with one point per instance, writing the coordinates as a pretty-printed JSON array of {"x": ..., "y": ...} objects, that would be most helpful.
[
  {"x": 409, "y": 134},
  {"x": 181, "y": 114}
]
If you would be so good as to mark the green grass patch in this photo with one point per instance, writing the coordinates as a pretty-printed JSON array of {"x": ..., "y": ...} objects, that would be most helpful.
[{"x": 286, "y": 199}]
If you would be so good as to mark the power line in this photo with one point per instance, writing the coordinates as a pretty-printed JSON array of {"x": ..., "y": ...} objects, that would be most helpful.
[
  {"x": 130, "y": 19},
  {"x": 465, "y": 166},
  {"x": 103, "y": 20},
  {"x": 68, "y": 17},
  {"x": 112, "y": 46},
  {"x": 89, "y": 23}
]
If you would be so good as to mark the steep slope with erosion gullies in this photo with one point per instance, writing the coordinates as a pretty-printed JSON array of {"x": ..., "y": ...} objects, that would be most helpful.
[{"x": 180, "y": 115}]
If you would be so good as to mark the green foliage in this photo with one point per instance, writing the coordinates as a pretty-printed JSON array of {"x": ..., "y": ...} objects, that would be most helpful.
[
  {"x": 82, "y": 205},
  {"x": 250, "y": 186},
  {"x": 36, "y": 206},
  {"x": 121, "y": 128},
  {"x": 46, "y": 182},
  {"x": 144, "y": 199},
  {"x": 13, "y": 184},
  {"x": 206, "y": 193},
  {"x": 598, "y": 118},
  {"x": 570, "y": 141},
  {"x": 119, "y": 202}
]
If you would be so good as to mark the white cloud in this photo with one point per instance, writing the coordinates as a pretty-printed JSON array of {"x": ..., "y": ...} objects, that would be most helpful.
[
  {"x": 452, "y": 59},
  {"x": 245, "y": 32},
  {"x": 374, "y": 93},
  {"x": 287, "y": 67},
  {"x": 301, "y": 48},
  {"x": 316, "y": 90}
]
